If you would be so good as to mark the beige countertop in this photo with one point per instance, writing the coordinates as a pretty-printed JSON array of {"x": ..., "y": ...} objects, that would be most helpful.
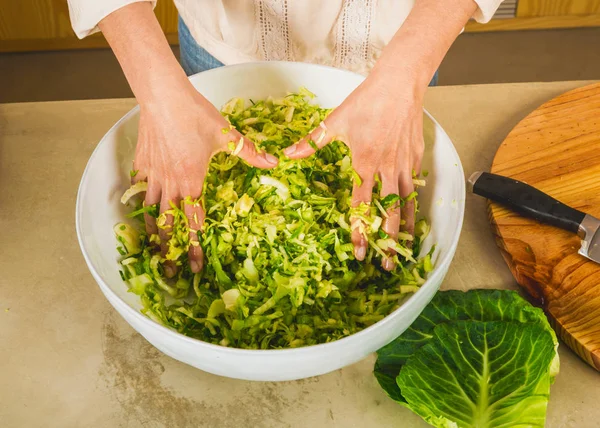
[{"x": 67, "y": 359}]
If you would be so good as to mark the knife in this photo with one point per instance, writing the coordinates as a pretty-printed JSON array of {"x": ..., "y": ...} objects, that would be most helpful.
[{"x": 534, "y": 203}]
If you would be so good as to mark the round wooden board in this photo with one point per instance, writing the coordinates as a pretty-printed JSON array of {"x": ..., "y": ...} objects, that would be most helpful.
[{"x": 556, "y": 149}]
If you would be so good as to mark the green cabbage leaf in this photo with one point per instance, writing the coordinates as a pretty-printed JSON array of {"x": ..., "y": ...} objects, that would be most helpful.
[{"x": 482, "y": 358}]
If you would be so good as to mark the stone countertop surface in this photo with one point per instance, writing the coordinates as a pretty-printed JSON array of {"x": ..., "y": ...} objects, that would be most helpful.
[{"x": 69, "y": 360}]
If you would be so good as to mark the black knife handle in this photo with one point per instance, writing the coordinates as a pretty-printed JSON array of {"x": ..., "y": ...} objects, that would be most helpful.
[{"x": 526, "y": 200}]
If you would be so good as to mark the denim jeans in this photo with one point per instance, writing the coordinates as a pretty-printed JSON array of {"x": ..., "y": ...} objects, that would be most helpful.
[{"x": 194, "y": 58}]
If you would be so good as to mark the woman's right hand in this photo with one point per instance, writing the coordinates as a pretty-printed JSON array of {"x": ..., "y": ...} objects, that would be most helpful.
[{"x": 177, "y": 137}]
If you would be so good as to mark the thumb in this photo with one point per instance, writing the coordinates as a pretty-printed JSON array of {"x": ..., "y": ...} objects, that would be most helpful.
[
  {"x": 245, "y": 149},
  {"x": 317, "y": 139}
]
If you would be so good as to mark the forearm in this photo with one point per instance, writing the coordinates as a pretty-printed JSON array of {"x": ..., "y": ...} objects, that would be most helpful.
[
  {"x": 144, "y": 54},
  {"x": 419, "y": 46}
]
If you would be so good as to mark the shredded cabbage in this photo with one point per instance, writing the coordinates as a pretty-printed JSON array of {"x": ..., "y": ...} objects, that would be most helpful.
[{"x": 279, "y": 267}]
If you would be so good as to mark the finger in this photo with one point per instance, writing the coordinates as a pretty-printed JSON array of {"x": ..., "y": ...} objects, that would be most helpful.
[
  {"x": 141, "y": 159},
  {"x": 245, "y": 149},
  {"x": 407, "y": 214},
  {"x": 195, "y": 215},
  {"x": 418, "y": 145},
  {"x": 165, "y": 230},
  {"x": 137, "y": 168},
  {"x": 417, "y": 164},
  {"x": 391, "y": 223},
  {"x": 361, "y": 194},
  {"x": 138, "y": 176},
  {"x": 317, "y": 139},
  {"x": 152, "y": 197}
]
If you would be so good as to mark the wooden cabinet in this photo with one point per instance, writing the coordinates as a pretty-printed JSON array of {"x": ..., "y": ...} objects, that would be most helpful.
[
  {"x": 28, "y": 25},
  {"x": 32, "y": 25},
  {"x": 546, "y": 14}
]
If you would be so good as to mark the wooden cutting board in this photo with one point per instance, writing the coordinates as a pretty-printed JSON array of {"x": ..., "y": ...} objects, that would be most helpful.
[{"x": 556, "y": 149}]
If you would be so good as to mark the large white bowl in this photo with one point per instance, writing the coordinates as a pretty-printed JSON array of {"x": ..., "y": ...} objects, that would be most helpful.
[{"x": 107, "y": 176}]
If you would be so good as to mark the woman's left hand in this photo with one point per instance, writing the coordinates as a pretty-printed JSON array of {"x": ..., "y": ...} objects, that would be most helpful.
[{"x": 381, "y": 121}]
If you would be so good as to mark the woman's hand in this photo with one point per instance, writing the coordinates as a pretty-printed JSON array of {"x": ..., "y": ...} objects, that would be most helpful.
[
  {"x": 382, "y": 120},
  {"x": 382, "y": 123},
  {"x": 176, "y": 139},
  {"x": 179, "y": 129}
]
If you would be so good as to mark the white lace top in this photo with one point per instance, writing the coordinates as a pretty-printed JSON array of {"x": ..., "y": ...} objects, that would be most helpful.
[{"x": 347, "y": 34}]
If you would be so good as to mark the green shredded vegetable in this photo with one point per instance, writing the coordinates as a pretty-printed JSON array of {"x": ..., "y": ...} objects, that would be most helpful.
[{"x": 279, "y": 266}]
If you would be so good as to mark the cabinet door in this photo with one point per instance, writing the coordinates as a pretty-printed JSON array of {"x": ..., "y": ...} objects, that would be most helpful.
[
  {"x": 539, "y": 8},
  {"x": 546, "y": 14},
  {"x": 30, "y": 25}
]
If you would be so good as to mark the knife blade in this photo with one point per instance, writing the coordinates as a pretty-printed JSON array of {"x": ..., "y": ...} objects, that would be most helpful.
[{"x": 531, "y": 202}]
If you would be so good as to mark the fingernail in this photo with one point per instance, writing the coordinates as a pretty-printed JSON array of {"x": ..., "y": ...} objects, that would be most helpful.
[
  {"x": 169, "y": 271},
  {"x": 361, "y": 252},
  {"x": 195, "y": 266},
  {"x": 291, "y": 149},
  {"x": 271, "y": 159}
]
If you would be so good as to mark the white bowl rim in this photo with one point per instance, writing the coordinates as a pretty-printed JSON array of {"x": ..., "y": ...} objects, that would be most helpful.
[{"x": 264, "y": 352}]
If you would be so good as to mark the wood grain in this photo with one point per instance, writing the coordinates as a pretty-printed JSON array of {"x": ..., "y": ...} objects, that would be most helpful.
[
  {"x": 167, "y": 15},
  {"x": 536, "y": 8},
  {"x": 29, "y": 25},
  {"x": 535, "y": 23},
  {"x": 556, "y": 149},
  {"x": 95, "y": 41}
]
